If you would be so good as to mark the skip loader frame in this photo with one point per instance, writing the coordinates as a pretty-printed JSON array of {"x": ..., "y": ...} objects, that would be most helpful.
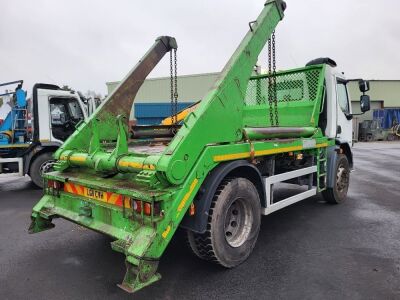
[{"x": 140, "y": 190}]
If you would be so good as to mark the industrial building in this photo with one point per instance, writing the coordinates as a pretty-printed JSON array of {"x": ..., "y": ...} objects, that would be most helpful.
[{"x": 153, "y": 100}]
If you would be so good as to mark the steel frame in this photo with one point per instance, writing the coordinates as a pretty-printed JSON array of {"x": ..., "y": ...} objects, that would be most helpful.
[{"x": 270, "y": 181}]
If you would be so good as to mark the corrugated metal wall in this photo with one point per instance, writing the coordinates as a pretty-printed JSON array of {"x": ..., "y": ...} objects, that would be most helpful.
[{"x": 191, "y": 88}]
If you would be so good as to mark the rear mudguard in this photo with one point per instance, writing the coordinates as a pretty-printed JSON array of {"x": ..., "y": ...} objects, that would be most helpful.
[{"x": 202, "y": 201}]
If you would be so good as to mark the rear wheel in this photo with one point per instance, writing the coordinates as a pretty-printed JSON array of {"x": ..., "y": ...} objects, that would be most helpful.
[
  {"x": 42, "y": 164},
  {"x": 338, "y": 193},
  {"x": 233, "y": 224}
]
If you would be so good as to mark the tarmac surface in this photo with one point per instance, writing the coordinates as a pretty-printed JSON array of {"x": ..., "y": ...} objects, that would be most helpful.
[{"x": 310, "y": 250}]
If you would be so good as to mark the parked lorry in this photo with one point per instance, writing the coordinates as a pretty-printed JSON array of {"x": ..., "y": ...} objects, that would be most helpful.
[
  {"x": 214, "y": 173},
  {"x": 35, "y": 128}
]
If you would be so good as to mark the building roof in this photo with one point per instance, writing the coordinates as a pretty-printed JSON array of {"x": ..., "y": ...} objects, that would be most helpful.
[{"x": 192, "y": 88}]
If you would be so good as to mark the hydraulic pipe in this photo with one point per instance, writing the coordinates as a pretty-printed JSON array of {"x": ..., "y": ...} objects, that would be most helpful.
[
  {"x": 107, "y": 162},
  {"x": 279, "y": 132}
]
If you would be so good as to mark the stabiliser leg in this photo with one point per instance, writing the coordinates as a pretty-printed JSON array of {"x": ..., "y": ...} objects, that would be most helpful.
[
  {"x": 140, "y": 275},
  {"x": 39, "y": 224}
]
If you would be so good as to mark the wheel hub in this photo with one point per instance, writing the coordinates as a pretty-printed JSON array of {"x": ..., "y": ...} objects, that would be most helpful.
[
  {"x": 342, "y": 180},
  {"x": 238, "y": 221}
]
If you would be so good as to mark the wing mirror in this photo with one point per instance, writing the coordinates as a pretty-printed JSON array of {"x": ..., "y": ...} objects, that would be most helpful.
[
  {"x": 365, "y": 103},
  {"x": 363, "y": 85}
]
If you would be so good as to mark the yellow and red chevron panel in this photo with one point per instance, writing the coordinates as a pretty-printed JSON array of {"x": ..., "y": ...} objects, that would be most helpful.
[{"x": 107, "y": 197}]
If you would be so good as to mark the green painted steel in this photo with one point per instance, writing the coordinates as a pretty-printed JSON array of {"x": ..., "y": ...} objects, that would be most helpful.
[{"x": 101, "y": 178}]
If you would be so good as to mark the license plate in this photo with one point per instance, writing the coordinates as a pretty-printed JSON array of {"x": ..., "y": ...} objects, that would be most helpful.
[
  {"x": 108, "y": 197},
  {"x": 94, "y": 194}
]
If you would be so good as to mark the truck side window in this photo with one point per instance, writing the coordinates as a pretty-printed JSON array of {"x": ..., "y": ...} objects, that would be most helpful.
[
  {"x": 58, "y": 115},
  {"x": 343, "y": 98},
  {"x": 75, "y": 109},
  {"x": 65, "y": 114}
]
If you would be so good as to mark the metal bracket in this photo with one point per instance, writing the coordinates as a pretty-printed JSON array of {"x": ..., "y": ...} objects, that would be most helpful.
[
  {"x": 251, "y": 25},
  {"x": 139, "y": 276},
  {"x": 122, "y": 141},
  {"x": 270, "y": 181}
]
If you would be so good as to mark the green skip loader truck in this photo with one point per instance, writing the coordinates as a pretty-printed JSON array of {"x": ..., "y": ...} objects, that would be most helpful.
[{"x": 213, "y": 173}]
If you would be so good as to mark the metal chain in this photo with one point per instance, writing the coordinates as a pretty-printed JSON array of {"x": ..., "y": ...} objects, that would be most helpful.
[
  {"x": 173, "y": 66},
  {"x": 172, "y": 87},
  {"x": 274, "y": 79},
  {"x": 270, "y": 98},
  {"x": 176, "y": 86}
]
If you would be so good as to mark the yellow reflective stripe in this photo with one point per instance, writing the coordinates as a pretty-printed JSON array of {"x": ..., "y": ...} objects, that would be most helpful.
[
  {"x": 280, "y": 150},
  {"x": 136, "y": 165},
  {"x": 323, "y": 145},
  {"x": 113, "y": 198},
  {"x": 218, "y": 158},
  {"x": 226, "y": 157},
  {"x": 165, "y": 233},
  {"x": 187, "y": 195},
  {"x": 68, "y": 187},
  {"x": 78, "y": 158}
]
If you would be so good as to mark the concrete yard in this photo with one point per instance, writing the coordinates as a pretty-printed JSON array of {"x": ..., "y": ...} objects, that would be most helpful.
[{"x": 310, "y": 250}]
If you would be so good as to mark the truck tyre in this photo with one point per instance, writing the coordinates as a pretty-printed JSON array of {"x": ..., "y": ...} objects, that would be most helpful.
[
  {"x": 39, "y": 166},
  {"x": 233, "y": 224},
  {"x": 338, "y": 193}
]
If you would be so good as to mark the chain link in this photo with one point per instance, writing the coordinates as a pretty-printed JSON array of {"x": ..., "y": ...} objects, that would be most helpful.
[
  {"x": 270, "y": 99},
  {"x": 172, "y": 87},
  {"x": 176, "y": 86},
  {"x": 173, "y": 60},
  {"x": 275, "y": 95}
]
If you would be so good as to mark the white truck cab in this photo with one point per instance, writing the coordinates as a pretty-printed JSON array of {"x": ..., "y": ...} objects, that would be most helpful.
[
  {"x": 52, "y": 115},
  {"x": 59, "y": 111},
  {"x": 336, "y": 116}
]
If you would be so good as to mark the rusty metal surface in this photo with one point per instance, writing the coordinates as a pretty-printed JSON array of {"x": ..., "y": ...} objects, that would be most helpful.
[
  {"x": 121, "y": 100},
  {"x": 278, "y": 130},
  {"x": 148, "y": 149}
]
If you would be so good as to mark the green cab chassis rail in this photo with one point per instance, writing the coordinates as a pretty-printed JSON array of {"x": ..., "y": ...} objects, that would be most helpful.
[{"x": 140, "y": 190}]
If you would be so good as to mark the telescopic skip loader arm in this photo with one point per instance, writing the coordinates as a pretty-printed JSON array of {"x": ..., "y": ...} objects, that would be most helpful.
[{"x": 163, "y": 183}]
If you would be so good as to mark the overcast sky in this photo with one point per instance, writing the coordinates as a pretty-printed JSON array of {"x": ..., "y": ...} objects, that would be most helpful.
[{"x": 84, "y": 43}]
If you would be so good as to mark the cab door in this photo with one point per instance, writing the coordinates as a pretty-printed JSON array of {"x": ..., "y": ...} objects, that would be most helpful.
[
  {"x": 66, "y": 113},
  {"x": 344, "y": 132}
]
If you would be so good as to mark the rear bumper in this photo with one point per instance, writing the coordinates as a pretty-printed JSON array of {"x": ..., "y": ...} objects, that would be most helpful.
[{"x": 133, "y": 235}]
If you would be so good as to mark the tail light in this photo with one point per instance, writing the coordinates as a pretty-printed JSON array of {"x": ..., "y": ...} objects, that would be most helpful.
[
  {"x": 54, "y": 184},
  {"x": 147, "y": 208}
]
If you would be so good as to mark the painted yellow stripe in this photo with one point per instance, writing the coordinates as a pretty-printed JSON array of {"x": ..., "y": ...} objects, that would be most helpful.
[
  {"x": 16, "y": 146},
  {"x": 136, "y": 165},
  {"x": 78, "y": 158},
  {"x": 226, "y": 157},
  {"x": 280, "y": 150},
  {"x": 323, "y": 145},
  {"x": 187, "y": 195},
  {"x": 165, "y": 233}
]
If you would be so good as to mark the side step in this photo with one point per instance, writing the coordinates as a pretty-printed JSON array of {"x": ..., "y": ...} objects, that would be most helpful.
[
  {"x": 18, "y": 160},
  {"x": 270, "y": 181}
]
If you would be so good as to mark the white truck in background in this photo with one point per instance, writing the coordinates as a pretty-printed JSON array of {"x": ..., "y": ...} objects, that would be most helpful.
[{"x": 39, "y": 126}]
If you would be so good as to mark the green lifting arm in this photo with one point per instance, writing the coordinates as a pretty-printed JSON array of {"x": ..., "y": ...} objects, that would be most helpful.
[
  {"x": 103, "y": 122},
  {"x": 224, "y": 99},
  {"x": 205, "y": 126}
]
